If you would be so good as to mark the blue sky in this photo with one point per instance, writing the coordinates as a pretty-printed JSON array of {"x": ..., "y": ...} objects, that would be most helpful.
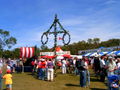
[{"x": 28, "y": 19}]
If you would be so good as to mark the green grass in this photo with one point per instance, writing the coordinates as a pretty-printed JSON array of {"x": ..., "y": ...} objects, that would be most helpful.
[{"x": 25, "y": 81}]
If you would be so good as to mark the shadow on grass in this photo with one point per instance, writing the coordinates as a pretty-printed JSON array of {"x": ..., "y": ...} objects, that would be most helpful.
[
  {"x": 30, "y": 74},
  {"x": 3, "y": 89},
  {"x": 94, "y": 79},
  {"x": 97, "y": 89},
  {"x": 33, "y": 75},
  {"x": 72, "y": 85}
]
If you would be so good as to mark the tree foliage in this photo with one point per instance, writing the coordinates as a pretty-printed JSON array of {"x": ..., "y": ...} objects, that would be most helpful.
[
  {"x": 89, "y": 44},
  {"x": 73, "y": 48},
  {"x": 6, "y": 40}
]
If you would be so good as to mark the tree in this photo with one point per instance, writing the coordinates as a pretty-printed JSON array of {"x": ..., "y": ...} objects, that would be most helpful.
[
  {"x": 90, "y": 41},
  {"x": 16, "y": 53},
  {"x": 7, "y": 54},
  {"x": 44, "y": 48},
  {"x": 96, "y": 40},
  {"x": 6, "y": 40}
]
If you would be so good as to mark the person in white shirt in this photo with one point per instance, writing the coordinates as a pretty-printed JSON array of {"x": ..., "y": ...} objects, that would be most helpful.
[
  {"x": 111, "y": 66},
  {"x": 1, "y": 63},
  {"x": 64, "y": 63},
  {"x": 103, "y": 69}
]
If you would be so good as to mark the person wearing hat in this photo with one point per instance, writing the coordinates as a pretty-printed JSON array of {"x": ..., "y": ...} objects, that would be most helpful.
[
  {"x": 111, "y": 65},
  {"x": 96, "y": 65},
  {"x": 8, "y": 80}
]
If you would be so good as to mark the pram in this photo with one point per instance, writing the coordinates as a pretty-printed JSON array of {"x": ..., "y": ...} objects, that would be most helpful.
[
  {"x": 117, "y": 72},
  {"x": 113, "y": 82}
]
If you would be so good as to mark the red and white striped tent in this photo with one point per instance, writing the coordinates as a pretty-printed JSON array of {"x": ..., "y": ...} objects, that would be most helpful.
[{"x": 27, "y": 52}]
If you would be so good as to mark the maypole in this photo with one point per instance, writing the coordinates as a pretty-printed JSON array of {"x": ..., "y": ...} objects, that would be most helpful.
[{"x": 55, "y": 25}]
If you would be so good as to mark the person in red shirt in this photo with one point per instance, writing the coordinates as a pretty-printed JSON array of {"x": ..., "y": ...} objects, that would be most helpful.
[
  {"x": 43, "y": 69},
  {"x": 32, "y": 66}
]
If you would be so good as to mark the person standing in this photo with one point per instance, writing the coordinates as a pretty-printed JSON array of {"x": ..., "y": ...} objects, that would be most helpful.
[
  {"x": 77, "y": 65},
  {"x": 96, "y": 65},
  {"x": 118, "y": 63},
  {"x": 82, "y": 67},
  {"x": 33, "y": 66},
  {"x": 43, "y": 69},
  {"x": 111, "y": 65},
  {"x": 21, "y": 65},
  {"x": 39, "y": 69},
  {"x": 8, "y": 80},
  {"x": 103, "y": 69},
  {"x": 50, "y": 70},
  {"x": 64, "y": 63},
  {"x": 1, "y": 63},
  {"x": 74, "y": 66},
  {"x": 11, "y": 65},
  {"x": 0, "y": 78}
]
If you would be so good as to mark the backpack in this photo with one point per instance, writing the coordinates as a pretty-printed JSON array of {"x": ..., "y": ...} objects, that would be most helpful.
[{"x": 80, "y": 65}]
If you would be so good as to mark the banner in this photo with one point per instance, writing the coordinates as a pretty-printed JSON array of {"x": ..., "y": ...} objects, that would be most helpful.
[{"x": 52, "y": 53}]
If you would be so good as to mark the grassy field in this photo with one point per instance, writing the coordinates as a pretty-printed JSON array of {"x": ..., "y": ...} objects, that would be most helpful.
[{"x": 25, "y": 81}]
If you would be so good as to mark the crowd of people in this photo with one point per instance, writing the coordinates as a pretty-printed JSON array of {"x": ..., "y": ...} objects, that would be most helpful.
[
  {"x": 103, "y": 66},
  {"x": 10, "y": 66},
  {"x": 106, "y": 68}
]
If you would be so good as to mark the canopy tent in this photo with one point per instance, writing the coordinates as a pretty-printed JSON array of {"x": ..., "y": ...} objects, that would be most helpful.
[
  {"x": 117, "y": 53},
  {"x": 61, "y": 54},
  {"x": 49, "y": 57},
  {"x": 78, "y": 56},
  {"x": 59, "y": 51},
  {"x": 27, "y": 52},
  {"x": 111, "y": 52},
  {"x": 59, "y": 57},
  {"x": 99, "y": 54},
  {"x": 90, "y": 54},
  {"x": 66, "y": 55},
  {"x": 93, "y": 54},
  {"x": 102, "y": 53},
  {"x": 87, "y": 54}
]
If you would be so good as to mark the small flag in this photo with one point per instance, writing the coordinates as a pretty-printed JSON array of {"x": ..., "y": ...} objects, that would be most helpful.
[{"x": 59, "y": 38}]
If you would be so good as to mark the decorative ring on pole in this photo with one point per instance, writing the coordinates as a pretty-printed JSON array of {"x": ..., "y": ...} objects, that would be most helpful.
[
  {"x": 44, "y": 42},
  {"x": 64, "y": 35}
]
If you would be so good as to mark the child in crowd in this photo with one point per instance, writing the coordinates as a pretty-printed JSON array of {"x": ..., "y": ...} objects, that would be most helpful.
[{"x": 8, "y": 80}]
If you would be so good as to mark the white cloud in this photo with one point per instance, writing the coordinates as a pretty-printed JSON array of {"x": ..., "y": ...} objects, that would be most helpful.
[
  {"x": 109, "y": 2},
  {"x": 92, "y": 28}
]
